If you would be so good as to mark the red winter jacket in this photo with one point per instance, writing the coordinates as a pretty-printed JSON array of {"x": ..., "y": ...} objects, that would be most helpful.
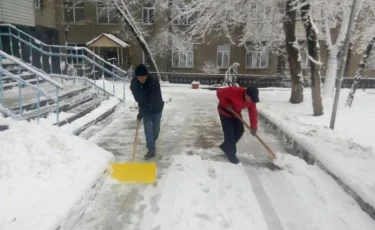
[{"x": 235, "y": 97}]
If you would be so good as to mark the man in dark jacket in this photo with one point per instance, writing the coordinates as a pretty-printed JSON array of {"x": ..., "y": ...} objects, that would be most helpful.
[
  {"x": 235, "y": 99},
  {"x": 146, "y": 91}
]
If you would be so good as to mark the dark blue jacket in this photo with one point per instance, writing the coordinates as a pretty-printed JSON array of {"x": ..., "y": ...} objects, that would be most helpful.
[{"x": 148, "y": 95}]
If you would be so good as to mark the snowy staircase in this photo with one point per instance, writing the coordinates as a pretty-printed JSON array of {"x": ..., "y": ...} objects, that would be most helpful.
[
  {"x": 9, "y": 83},
  {"x": 33, "y": 84},
  {"x": 75, "y": 100}
]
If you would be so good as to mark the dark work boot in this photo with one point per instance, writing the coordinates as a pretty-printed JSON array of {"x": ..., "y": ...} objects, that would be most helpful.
[
  {"x": 233, "y": 159},
  {"x": 149, "y": 155},
  {"x": 222, "y": 147}
]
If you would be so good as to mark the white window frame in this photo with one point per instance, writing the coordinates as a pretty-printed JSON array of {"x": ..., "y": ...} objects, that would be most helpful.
[
  {"x": 38, "y": 4},
  {"x": 257, "y": 54},
  {"x": 254, "y": 11},
  {"x": 184, "y": 19},
  {"x": 183, "y": 52},
  {"x": 228, "y": 17},
  {"x": 73, "y": 9},
  {"x": 100, "y": 12},
  {"x": 144, "y": 59},
  {"x": 223, "y": 49},
  {"x": 149, "y": 9}
]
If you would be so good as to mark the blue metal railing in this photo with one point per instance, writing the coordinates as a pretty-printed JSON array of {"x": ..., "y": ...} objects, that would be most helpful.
[
  {"x": 61, "y": 77},
  {"x": 10, "y": 113},
  {"x": 25, "y": 47},
  {"x": 22, "y": 83},
  {"x": 88, "y": 81}
]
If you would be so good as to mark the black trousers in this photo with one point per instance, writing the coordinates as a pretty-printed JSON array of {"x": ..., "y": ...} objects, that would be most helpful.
[{"x": 233, "y": 130}]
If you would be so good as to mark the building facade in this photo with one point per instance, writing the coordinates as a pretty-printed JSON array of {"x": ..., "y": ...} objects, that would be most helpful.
[
  {"x": 35, "y": 17},
  {"x": 77, "y": 22}
]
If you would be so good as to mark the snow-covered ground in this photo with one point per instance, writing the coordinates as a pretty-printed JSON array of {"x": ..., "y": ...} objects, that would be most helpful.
[
  {"x": 44, "y": 173},
  {"x": 198, "y": 189},
  {"x": 348, "y": 151}
]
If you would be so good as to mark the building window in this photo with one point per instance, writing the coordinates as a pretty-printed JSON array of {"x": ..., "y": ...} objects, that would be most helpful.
[
  {"x": 148, "y": 15},
  {"x": 182, "y": 58},
  {"x": 106, "y": 13},
  {"x": 223, "y": 56},
  {"x": 229, "y": 17},
  {"x": 370, "y": 61},
  {"x": 38, "y": 4},
  {"x": 256, "y": 59},
  {"x": 305, "y": 62},
  {"x": 145, "y": 62},
  {"x": 184, "y": 17},
  {"x": 73, "y": 12}
]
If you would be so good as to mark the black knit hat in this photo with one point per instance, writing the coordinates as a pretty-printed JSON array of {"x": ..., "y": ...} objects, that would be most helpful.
[
  {"x": 141, "y": 70},
  {"x": 253, "y": 93}
]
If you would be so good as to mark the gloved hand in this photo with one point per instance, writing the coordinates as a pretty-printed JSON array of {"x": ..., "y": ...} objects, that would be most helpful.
[
  {"x": 139, "y": 116},
  {"x": 253, "y": 132},
  {"x": 229, "y": 108}
]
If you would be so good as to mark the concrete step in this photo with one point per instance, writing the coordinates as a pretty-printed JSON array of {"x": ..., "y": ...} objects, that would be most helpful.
[
  {"x": 14, "y": 68},
  {"x": 83, "y": 109},
  {"x": 12, "y": 84},
  {"x": 65, "y": 105},
  {"x": 105, "y": 115},
  {"x": 24, "y": 75},
  {"x": 32, "y": 105}
]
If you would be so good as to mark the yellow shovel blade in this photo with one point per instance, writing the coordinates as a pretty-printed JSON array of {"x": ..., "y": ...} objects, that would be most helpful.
[{"x": 134, "y": 172}]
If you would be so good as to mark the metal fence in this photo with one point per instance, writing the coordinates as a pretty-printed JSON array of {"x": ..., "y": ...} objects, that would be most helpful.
[{"x": 260, "y": 81}]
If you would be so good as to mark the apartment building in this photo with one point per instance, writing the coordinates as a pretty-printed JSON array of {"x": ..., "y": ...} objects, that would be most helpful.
[
  {"x": 77, "y": 23},
  {"x": 35, "y": 17},
  {"x": 88, "y": 20}
]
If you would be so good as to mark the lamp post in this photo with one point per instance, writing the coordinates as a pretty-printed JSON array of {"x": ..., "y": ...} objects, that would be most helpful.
[{"x": 342, "y": 69}]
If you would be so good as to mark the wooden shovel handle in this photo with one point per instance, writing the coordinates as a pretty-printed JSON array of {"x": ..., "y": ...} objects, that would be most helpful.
[
  {"x": 273, "y": 155},
  {"x": 135, "y": 140},
  {"x": 260, "y": 140}
]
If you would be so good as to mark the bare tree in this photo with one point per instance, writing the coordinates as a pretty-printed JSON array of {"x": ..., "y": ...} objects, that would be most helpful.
[
  {"x": 328, "y": 16},
  {"x": 210, "y": 67},
  {"x": 129, "y": 20},
  {"x": 314, "y": 57},
  {"x": 292, "y": 50},
  {"x": 359, "y": 72},
  {"x": 69, "y": 16}
]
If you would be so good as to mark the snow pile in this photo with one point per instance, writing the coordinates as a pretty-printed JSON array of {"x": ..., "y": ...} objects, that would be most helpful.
[
  {"x": 348, "y": 151},
  {"x": 201, "y": 194},
  {"x": 43, "y": 174}
]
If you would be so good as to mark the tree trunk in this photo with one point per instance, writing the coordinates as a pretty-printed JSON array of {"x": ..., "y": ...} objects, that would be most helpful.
[
  {"x": 331, "y": 73},
  {"x": 141, "y": 41},
  {"x": 359, "y": 72},
  {"x": 65, "y": 70},
  {"x": 170, "y": 31},
  {"x": 313, "y": 52},
  {"x": 348, "y": 59},
  {"x": 293, "y": 53}
]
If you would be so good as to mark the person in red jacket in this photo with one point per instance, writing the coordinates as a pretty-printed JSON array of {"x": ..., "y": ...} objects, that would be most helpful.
[{"x": 236, "y": 99}]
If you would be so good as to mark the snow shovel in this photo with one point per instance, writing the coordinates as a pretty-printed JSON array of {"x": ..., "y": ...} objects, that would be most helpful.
[
  {"x": 134, "y": 172},
  {"x": 271, "y": 154}
]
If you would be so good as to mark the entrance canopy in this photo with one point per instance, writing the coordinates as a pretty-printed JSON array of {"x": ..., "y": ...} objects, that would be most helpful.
[{"x": 107, "y": 40}]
